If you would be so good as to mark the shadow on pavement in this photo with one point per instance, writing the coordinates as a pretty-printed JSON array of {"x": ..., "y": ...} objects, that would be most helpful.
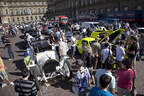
[
  {"x": 21, "y": 55},
  {"x": 64, "y": 84},
  {"x": 16, "y": 73},
  {"x": 5, "y": 58},
  {"x": 19, "y": 64},
  {"x": 22, "y": 51},
  {"x": 22, "y": 36},
  {"x": 140, "y": 95},
  {"x": 21, "y": 45}
]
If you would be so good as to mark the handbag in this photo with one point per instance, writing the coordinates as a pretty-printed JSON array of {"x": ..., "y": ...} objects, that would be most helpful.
[
  {"x": 133, "y": 91},
  {"x": 109, "y": 59}
]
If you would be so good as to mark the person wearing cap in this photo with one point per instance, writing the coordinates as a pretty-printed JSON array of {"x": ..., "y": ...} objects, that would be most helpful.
[{"x": 9, "y": 48}]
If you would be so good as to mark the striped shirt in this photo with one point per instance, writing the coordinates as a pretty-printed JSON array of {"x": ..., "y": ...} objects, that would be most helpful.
[{"x": 25, "y": 87}]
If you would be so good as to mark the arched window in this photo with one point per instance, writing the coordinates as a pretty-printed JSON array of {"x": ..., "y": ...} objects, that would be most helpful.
[{"x": 39, "y": 10}]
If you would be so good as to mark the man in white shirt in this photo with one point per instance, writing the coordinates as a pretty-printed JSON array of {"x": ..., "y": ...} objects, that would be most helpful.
[{"x": 120, "y": 53}]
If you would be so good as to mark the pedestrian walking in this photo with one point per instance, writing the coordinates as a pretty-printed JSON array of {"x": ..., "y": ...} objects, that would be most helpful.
[
  {"x": 132, "y": 50},
  {"x": 81, "y": 82},
  {"x": 120, "y": 53},
  {"x": 24, "y": 86},
  {"x": 141, "y": 43},
  {"x": 3, "y": 75},
  {"x": 8, "y": 45},
  {"x": 125, "y": 78}
]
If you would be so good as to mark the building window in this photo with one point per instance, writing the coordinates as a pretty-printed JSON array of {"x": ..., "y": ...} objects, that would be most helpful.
[
  {"x": 6, "y": 12},
  {"x": 31, "y": 18},
  {"x": 16, "y": 11},
  {"x": 11, "y": 11},
  {"x": 13, "y": 20},
  {"x": 25, "y": 11},
  {"x": 36, "y": 17},
  {"x": 43, "y": 10},
  {"x": 23, "y": 19},
  {"x": 139, "y": 8},
  {"x": 9, "y": 20},
  {"x": 33, "y": 3},
  {"x": 39, "y": 10},
  {"x": 116, "y": 9},
  {"x": 34, "y": 10},
  {"x": 5, "y": 4},
  {"x": 29, "y": 3},
  {"x": 39, "y": 17},
  {"x": 125, "y": 8},
  {"x": 27, "y": 18},
  {"x": 21, "y": 11},
  {"x": 108, "y": 10},
  {"x": 30, "y": 11},
  {"x": 18, "y": 19}
]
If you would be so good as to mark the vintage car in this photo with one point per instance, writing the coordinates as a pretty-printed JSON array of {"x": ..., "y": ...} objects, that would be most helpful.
[
  {"x": 46, "y": 62},
  {"x": 79, "y": 43},
  {"x": 112, "y": 37}
]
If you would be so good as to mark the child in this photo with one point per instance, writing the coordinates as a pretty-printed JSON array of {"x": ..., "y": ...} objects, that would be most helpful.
[{"x": 81, "y": 80}]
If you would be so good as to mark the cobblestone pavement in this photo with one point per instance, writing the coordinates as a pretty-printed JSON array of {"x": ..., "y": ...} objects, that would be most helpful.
[{"x": 60, "y": 88}]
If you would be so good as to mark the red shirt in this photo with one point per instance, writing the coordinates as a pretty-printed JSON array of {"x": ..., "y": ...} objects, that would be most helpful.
[{"x": 125, "y": 78}]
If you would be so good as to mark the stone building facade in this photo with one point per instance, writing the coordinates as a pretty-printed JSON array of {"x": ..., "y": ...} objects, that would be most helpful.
[
  {"x": 85, "y": 7},
  {"x": 22, "y": 11}
]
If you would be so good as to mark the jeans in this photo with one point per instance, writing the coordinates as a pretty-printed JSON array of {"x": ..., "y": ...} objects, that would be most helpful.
[{"x": 11, "y": 55}]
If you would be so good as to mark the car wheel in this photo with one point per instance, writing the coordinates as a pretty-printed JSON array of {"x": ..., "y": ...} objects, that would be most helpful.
[{"x": 67, "y": 70}]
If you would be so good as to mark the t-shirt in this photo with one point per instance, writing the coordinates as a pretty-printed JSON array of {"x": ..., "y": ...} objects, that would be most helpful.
[
  {"x": 25, "y": 87},
  {"x": 119, "y": 53},
  {"x": 1, "y": 65},
  {"x": 125, "y": 80},
  {"x": 7, "y": 43},
  {"x": 133, "y": 47},
  {"x": 105, "y": 53},
  {"x": 100, "y": 72},
  {"x": 95, "y": 91},
  {"x": 81, "y": 78}
]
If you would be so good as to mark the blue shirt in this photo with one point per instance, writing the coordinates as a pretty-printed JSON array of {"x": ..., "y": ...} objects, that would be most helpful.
[
  {"x": 100, "y": 72},
  {"x": 95, "y": 91}
]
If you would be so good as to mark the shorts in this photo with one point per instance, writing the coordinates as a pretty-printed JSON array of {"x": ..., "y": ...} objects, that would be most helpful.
[
  {"x": 123, "y": 92},
  {"x": 3, "y": 75}
]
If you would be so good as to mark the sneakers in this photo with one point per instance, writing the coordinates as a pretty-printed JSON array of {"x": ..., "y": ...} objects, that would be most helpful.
[
  {"x": 9, "y": 59},
  {"x": 11, "y": 84}
]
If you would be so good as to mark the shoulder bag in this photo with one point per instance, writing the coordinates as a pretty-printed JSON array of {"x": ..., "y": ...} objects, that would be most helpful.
[
  {"x": 109, "y": 59},
  {"x": 133, "y": 91}
]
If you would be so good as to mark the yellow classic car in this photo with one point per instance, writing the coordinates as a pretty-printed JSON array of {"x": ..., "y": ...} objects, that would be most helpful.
[
  {"x": 87, "y": 40},
  {"x": 112, "y": 36}
]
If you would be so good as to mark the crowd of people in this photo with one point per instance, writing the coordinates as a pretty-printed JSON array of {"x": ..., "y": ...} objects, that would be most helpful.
[{"x": 108, "y": 75}]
